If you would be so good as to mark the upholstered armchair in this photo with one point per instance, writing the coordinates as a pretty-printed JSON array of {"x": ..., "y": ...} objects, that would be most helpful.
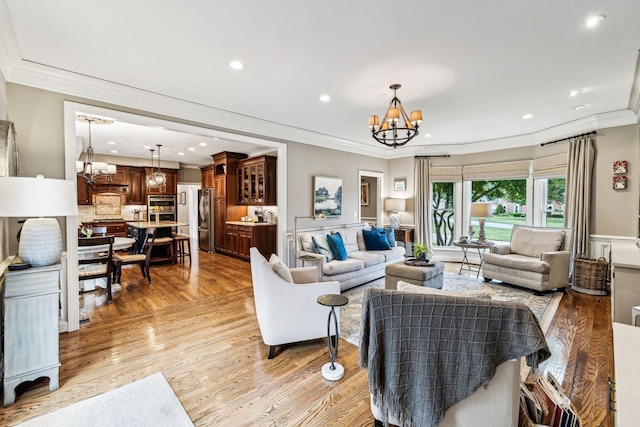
[
  {"x": 537, "y": 258},
  {"x": 286, "y": 301}
]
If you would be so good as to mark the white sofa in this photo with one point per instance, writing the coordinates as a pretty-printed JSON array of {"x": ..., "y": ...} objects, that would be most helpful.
[
  {"x": 537, "y": 258},
  {"x": 361, "y": 266}
]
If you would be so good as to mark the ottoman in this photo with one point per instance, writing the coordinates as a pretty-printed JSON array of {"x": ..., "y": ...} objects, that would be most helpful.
[{"x": 431, "y": 276}]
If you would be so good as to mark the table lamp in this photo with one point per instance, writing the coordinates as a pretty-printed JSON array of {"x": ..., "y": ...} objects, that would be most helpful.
[
  {"x": 481, "y": 211},
  {"x": 395, "y": 206},
  {"x": 40, "y": 239}
]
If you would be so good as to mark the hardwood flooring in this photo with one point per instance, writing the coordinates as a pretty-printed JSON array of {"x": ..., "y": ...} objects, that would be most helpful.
[{"x": 196, "y": 324}]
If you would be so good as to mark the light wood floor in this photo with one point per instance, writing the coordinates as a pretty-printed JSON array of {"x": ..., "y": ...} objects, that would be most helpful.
[{"x": 197, "y": 326}]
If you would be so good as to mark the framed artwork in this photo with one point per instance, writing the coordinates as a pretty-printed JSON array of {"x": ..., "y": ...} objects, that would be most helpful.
[
  {"x": 620, "y": 166},
  {"x": 619, "y": 182},
  {"x": 364, "y": 194},
  {"x": 327, "y": 196},
  {"x": 400, "y": 184}
]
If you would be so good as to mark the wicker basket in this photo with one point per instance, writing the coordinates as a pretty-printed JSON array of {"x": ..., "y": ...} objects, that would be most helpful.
[{"x": 590, "y": 275}]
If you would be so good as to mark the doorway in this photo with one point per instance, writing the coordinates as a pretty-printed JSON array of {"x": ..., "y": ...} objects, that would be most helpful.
[{"x": 371, "y": 186}]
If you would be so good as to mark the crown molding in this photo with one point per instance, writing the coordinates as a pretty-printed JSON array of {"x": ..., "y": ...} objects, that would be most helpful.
[
  {"x": 235, "y": 124},
  {"x": 634, "y": 97},
  {"x": 9, "y": 51}
]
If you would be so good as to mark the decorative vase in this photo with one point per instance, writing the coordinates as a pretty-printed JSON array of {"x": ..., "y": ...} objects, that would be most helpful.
[{"x": 157, "y": 219}]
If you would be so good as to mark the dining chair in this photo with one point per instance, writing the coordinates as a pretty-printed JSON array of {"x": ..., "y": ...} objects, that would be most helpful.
[
  {"x": 143, "y": 258},
  {"x": 97, "y": 264}
]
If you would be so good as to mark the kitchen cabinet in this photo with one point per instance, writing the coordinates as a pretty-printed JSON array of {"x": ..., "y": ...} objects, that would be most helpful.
[
  {"x": 207, "y": 176},
  {"x": 219, "y": 220},
  {"x": 30, "y": 327},
  {"x": 136, "y": 194},
  {"x": 84, "y": 191},
  {"x": 220, "y": 187},
  {"x": 172, "y": 182},
  {"x": 256, "y": 180},
  {"x": 226, "y": 208},
  {"x": 625, "y": 284},
  {"x": 239, "y": 238},
  {"x": 120, "y": 177}
]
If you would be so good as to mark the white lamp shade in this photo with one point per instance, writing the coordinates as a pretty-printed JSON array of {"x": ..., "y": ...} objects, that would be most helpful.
[
  {"x": 40, "y": 238},
  {"x": 395, "y": 205},
  {"x": 481, "y": 210}
]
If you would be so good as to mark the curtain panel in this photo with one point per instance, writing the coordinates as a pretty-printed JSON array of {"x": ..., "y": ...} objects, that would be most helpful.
[
  {"x": 578, "y": 192},
  {"x": 422, "y": 203},
  {"x": 8, "y": 149}
]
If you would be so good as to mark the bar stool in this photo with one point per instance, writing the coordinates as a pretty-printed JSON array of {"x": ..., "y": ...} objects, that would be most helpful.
[
  {"x": 180, "y": 251},
  {"x": 168, "y": 242}
]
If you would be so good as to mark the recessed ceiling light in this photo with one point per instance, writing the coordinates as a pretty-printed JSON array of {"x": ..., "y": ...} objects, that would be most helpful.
[
  {"x": 114, "y": 151},
  {"x": 180, "y": 154},
  {"x": 579, "y": 107},
  {"x": 594, "y": 20},
  {"x": 111, "y": 142},
  {"x": 191, "y": 149},
  {"x": 527, "y": 116},
  {"x": 427, "y": 135},
  {"x": 216, "y": 138},
  {"x": 204, "y": 144},
  {"x": 575, "y": 92},
  {"x": 155, "y": 155},
  {"x": 325, "y": 98},
  {"x": 146, "y": 147},
  {"x": 236, "y": 65}
]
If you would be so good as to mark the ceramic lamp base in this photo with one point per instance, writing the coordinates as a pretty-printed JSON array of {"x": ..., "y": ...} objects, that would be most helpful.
[
  {"x": 394, "y": 220},
  {"x": 332, "y": 374},
  {"x": 40, "y": 242}
]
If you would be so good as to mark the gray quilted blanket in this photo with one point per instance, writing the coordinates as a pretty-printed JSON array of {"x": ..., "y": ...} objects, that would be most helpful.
[{"x": 424, "y": 353}]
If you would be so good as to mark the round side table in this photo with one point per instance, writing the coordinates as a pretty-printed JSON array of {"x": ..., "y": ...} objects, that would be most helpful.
[{"x": 332, "y": 371}]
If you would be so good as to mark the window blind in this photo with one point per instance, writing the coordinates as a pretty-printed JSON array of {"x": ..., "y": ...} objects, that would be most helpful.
[
  {"x": 445, "y": 173},
  {"x": 550, "y": 167},
  {"x": 507, "y": 170}
]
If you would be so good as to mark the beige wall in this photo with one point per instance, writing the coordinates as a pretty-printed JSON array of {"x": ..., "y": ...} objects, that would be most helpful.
[
  {"x": 306, "y": 161},
  {"x": 4, "y": 223},
  {"x": 189, "y": 175}
]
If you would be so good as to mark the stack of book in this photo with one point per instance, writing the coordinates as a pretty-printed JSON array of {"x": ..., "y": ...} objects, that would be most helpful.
[{"x": 547, "y": 404}]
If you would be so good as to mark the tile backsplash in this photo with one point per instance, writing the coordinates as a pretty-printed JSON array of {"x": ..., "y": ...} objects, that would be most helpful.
[{"x": 88, "y": 213}]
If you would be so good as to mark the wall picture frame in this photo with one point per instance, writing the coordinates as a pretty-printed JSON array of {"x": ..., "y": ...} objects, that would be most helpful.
[
  {"x": 364, "y": 194},
  {"x": 619, "y": 182},
  {"x": 400, "y": 184},
  {"x": 327, "y": 196},
  {"x": 620, "y": 166}
]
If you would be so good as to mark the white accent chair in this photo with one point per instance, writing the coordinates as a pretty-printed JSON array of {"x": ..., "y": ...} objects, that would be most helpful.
[
  {"x": 288, "y": 312},
  {"x": 537, "y": 258}
]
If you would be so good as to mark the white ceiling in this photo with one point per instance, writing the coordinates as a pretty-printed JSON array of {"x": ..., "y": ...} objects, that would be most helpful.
[{"x": 473, "y": 67}]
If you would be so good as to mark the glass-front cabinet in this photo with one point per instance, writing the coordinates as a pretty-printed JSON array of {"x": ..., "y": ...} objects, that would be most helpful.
[{"x": 257, "y": 181}]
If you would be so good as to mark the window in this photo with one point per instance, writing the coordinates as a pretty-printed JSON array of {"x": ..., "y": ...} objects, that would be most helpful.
[
  {"x": 555, "y": 192},
  {"x": 509, "y": 198},
  {"x": 443, "y": 211}
]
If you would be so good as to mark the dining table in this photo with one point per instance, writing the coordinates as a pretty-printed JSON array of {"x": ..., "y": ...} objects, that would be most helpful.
[{"x": 138, "y": 231}]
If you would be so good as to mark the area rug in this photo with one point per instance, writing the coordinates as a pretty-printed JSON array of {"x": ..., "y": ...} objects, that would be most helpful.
[
  {"x": 543, "y": 306},
  {"x": 147, "y": 402}
]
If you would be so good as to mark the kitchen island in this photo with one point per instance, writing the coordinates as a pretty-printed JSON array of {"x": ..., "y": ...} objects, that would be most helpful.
[{"x": 138, "y": 231}]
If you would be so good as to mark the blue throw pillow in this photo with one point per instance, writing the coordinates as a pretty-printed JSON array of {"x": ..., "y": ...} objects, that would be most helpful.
[
  {"x": 375, "y": 240},
  {"x": 390, "y": 232},
  {"x": 337, "y": 246}
]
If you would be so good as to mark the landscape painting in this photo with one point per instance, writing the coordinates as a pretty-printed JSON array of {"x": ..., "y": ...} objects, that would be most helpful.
[{"x": 327, "y": 196}]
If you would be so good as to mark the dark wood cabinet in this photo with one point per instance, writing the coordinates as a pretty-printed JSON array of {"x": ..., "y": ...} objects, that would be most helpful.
[
  {"x": 220, "y": 187},
  {"x": 115, "y": 228},
  {"x": 404, "y": 234},
  {"x": 239, "y": 238},
  {"x": 225, "y": 209},
  {"x": 120, "y": 177},
  {"x": 136, "y": 194},
  {"x": 207, "y": 176},
  {"x": 172, "y": 182},
  {"x": 84, "y": 191},
  {"x": 256, "y": 181},
  {"x": 219, "y": 220}
]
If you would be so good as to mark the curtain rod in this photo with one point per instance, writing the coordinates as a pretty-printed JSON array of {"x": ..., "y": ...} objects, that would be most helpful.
[
  {"x": 432, "y": 157},
  {"x": 593, "y": 132}
]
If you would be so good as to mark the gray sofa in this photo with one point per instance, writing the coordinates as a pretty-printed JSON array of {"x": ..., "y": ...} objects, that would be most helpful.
[
  {"x": 361, "y": 266},
  {"x": 537, "y": 258}
]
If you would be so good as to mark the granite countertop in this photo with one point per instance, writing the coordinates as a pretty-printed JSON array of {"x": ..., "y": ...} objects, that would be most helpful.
[
  {"x": 153, "y": 224},
  {"x": 249, "y": 223}
]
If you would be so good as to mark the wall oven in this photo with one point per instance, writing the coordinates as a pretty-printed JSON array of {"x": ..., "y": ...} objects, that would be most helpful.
[{"x": 166, "y": 207}]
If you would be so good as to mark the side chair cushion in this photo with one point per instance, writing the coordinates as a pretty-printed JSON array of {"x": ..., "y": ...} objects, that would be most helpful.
[
  {"x": 92, "y": 269},
  {"x": 530, "y": 242},
  {"x": 126, "y": 258},
  {"x": 280, "y": 268}
]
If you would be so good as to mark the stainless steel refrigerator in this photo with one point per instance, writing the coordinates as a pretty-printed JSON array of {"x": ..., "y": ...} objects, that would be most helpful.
[{"x": 205, "y": 219}]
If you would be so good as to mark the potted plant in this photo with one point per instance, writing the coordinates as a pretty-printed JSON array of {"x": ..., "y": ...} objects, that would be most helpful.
[{"x": 421, "y": 252}]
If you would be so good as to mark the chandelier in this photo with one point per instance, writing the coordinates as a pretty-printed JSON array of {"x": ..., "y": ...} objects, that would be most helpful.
[
  {"x": 157, "y": 179},
  {"x": 90, "y": 169},
  {"x": 390, "y": 133}
]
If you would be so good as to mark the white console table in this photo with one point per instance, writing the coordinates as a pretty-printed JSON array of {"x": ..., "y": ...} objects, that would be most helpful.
[{"x": 30, "y": 313}]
